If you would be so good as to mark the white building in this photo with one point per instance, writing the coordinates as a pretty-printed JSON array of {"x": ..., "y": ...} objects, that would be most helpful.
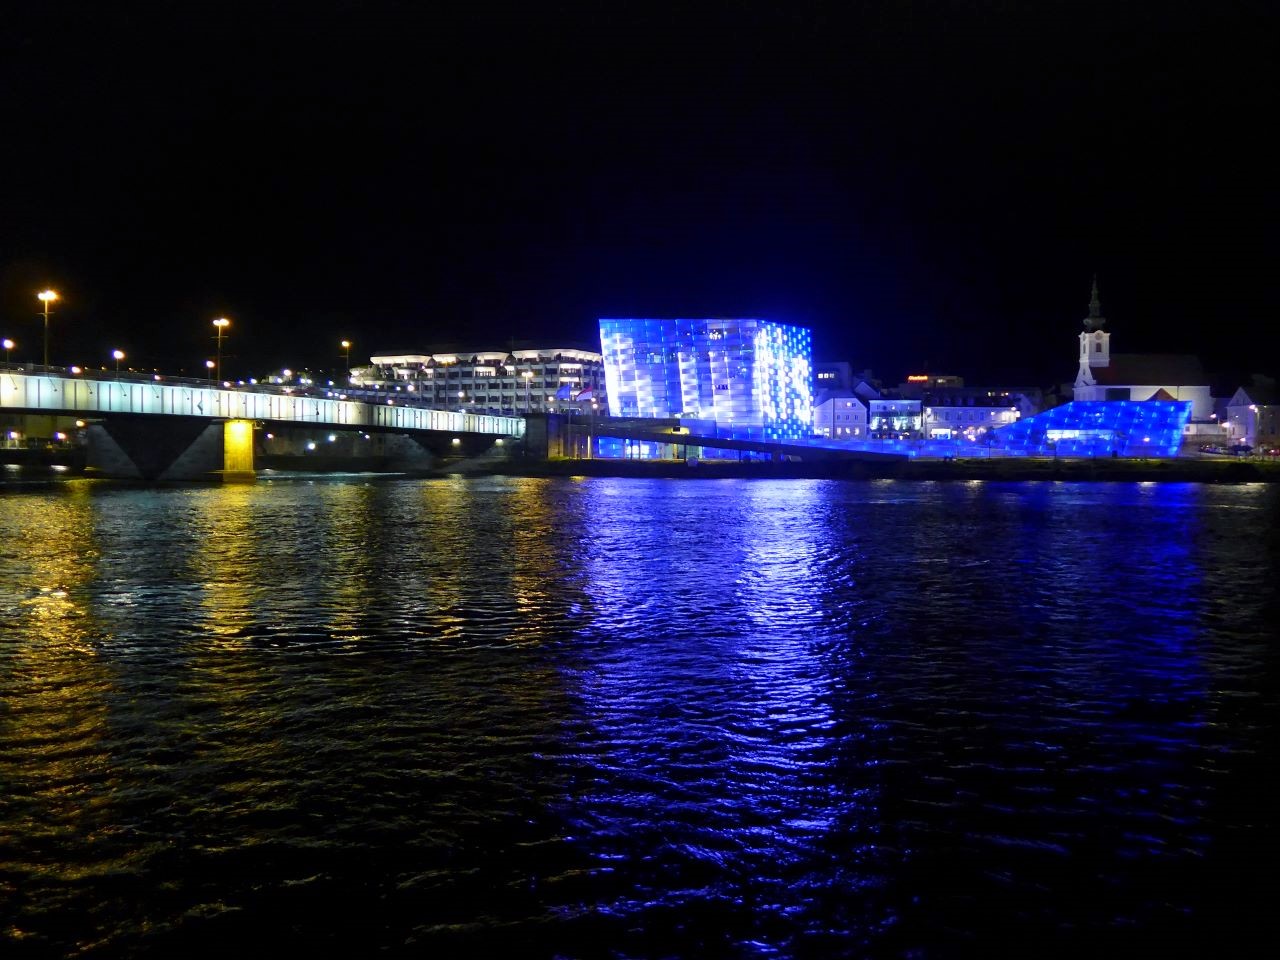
[
  {"x": 956, "y": 417},
  {"x": 506, "y": 381},
  {"x": 1104, "y": 375},
  {"x": 841, "y": 416},
  {"x": 1252, "y": 414}
]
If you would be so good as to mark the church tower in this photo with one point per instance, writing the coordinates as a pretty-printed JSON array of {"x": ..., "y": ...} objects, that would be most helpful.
[{"x": 1095, "y": 343}]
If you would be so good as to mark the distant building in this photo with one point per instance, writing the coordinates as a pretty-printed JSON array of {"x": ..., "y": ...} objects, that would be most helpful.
[
  {"x": 747, "y": 375},
  {"x": 949, "y": 416},
  {"x": 840, "y": 400},
  {"x": 1136, "y": 376},
  {"x": 895, "y": 417},
  {"x": 832, "y": 375},
  {"x": 1252, "y": 414},
  {"x": 507, "y": 381},
  {"x": 840, "y": 415},
  {"x": 940, "y": 406},
  {"x": 918, "y": 383},
  {"x": 865, "y": 387}
]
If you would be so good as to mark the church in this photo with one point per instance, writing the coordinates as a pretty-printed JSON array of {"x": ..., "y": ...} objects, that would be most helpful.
[{"x": 1104, "y": 375}]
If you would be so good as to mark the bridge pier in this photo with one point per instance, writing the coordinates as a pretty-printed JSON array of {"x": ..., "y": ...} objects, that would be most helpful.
[
  {"x": 175, "y": 448},
  {"x": 237, "y": 451}
]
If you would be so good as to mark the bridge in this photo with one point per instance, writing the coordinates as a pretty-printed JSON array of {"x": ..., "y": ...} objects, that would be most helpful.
[{"x": 159, "y": 430}]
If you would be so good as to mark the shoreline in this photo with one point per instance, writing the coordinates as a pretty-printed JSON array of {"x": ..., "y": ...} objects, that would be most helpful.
[
  {"x": 998, "y": 469},
  {"x": 1170, "y": 471}
]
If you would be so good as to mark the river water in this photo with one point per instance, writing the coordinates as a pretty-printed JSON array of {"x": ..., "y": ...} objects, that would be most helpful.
[{"x": 630, "y": 718}]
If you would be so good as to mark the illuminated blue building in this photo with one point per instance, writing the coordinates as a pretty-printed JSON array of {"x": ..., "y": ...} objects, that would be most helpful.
[
  {"x": 1099, "y": 428},
  {"x": 753, "y": 377}
]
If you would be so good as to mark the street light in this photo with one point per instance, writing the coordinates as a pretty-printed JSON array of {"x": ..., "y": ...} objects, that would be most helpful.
[
  {"x": 462, "y": 400},
  {"x": 118, "y": 355},
  {"x": 208, "y": 365},
  {"x": 220, "y": 324},
  {"x": 528, "y": 375},
  {"x": 346, "y": 352},
  {"x": 46, "y": 297},
  {"x": 8, "y": 347}
]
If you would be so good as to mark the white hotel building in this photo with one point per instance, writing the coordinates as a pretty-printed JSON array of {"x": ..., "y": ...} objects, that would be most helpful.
[{"x": 496, "y": 381}]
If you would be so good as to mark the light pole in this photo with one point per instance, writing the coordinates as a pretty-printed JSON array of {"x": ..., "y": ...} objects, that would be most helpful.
[
  {"x": 208, "y": 365},
  {"x": 8, "y": 348},
  {"x": 346, "y": 352},
  {"x": 528, "y": 375},
  {"x": 462, "y": 395},
  {"x": 46, "y": 297},
  {"x": 220, "y": 325},
  {"x": 118, "y": 355}
]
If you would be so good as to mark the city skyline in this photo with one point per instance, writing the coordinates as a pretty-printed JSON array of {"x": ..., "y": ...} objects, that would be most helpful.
[{"x": 923, "y": 191}]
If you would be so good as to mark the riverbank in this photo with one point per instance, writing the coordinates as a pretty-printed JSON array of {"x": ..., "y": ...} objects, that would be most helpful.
[
  {"x": 1011, "y": 469},
  {"x": 1188, "y": 470}
]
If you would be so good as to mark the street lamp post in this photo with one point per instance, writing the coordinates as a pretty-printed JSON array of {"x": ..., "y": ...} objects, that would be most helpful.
[
  {"x": 8, "y": 348},
  {"x": 46, "y": 297},
  {"x": 220, "y": 325},
  {"x": 528, "y": 375},
  {"x": 118, "y": 355},
  {"x": 208, "y": 365},
  {"x": 346, "y": 353}
]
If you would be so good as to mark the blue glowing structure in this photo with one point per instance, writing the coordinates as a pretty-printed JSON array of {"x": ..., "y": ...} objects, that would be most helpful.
[
  {"x": 1099, "y": 428},
  {"x": 752, "y": 377}
]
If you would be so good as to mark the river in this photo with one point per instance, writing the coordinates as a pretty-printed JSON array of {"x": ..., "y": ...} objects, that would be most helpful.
[{"x": 636, "y": 718}]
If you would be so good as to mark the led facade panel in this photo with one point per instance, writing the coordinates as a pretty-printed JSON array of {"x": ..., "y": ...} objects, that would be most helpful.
[
  {"x": 1101, "y": 428},
  {"x": 749, "y": 376}
]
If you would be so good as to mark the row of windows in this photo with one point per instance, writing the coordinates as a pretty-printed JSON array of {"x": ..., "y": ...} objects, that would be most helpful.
[{"x": 988, "y": 414}]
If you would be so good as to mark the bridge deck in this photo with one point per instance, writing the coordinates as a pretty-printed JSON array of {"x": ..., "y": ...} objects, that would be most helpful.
[{"x": 42, "y": 393}]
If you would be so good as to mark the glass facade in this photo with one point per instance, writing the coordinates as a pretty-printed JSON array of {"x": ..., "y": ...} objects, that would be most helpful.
[
  {"x": 752, "y": 377},
  {"x": 1101, "y": 428}
]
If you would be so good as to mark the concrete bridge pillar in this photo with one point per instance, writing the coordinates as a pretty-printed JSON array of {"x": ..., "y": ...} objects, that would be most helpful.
[
  {"x": 237, "y": 451},
  {"x": 171, "y": 448}
]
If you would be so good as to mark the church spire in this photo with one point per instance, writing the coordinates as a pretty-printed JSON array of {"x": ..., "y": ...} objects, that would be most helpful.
[{"x": 1095, "y": 320}]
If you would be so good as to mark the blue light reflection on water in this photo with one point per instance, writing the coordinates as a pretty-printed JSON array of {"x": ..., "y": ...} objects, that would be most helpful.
[
  {"x": 1039, "y": 724},
  {"x": 713, "y": 704},
  {"x": 647, "y": 718}
]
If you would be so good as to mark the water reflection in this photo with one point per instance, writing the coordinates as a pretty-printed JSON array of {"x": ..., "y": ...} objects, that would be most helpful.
[
  {"x": 535, "y": 716},
  {"x": 707, "y": 719},
  {"x": 56, "y": 691}
]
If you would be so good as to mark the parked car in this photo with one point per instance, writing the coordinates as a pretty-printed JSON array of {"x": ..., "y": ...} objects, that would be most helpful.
[{"x": 1241, "y": 450}]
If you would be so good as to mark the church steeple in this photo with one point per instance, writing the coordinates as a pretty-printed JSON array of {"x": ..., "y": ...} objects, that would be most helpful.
[
  {"x": 1095, "y": 319},
  {"x": 1095, "y": 348}
]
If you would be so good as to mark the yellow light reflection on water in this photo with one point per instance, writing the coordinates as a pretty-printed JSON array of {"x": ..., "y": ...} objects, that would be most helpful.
[{"x": 56, "y": 684}]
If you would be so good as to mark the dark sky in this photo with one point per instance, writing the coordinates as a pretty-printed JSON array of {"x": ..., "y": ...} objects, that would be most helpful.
[{"x": 921, "y": 183}]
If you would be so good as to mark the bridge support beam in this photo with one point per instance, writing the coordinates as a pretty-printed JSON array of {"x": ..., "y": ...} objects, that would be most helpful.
[{"x": 170, "y": 448}]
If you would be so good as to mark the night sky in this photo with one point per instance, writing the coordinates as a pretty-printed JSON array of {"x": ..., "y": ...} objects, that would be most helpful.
[{"x": 929, "y": 186}]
